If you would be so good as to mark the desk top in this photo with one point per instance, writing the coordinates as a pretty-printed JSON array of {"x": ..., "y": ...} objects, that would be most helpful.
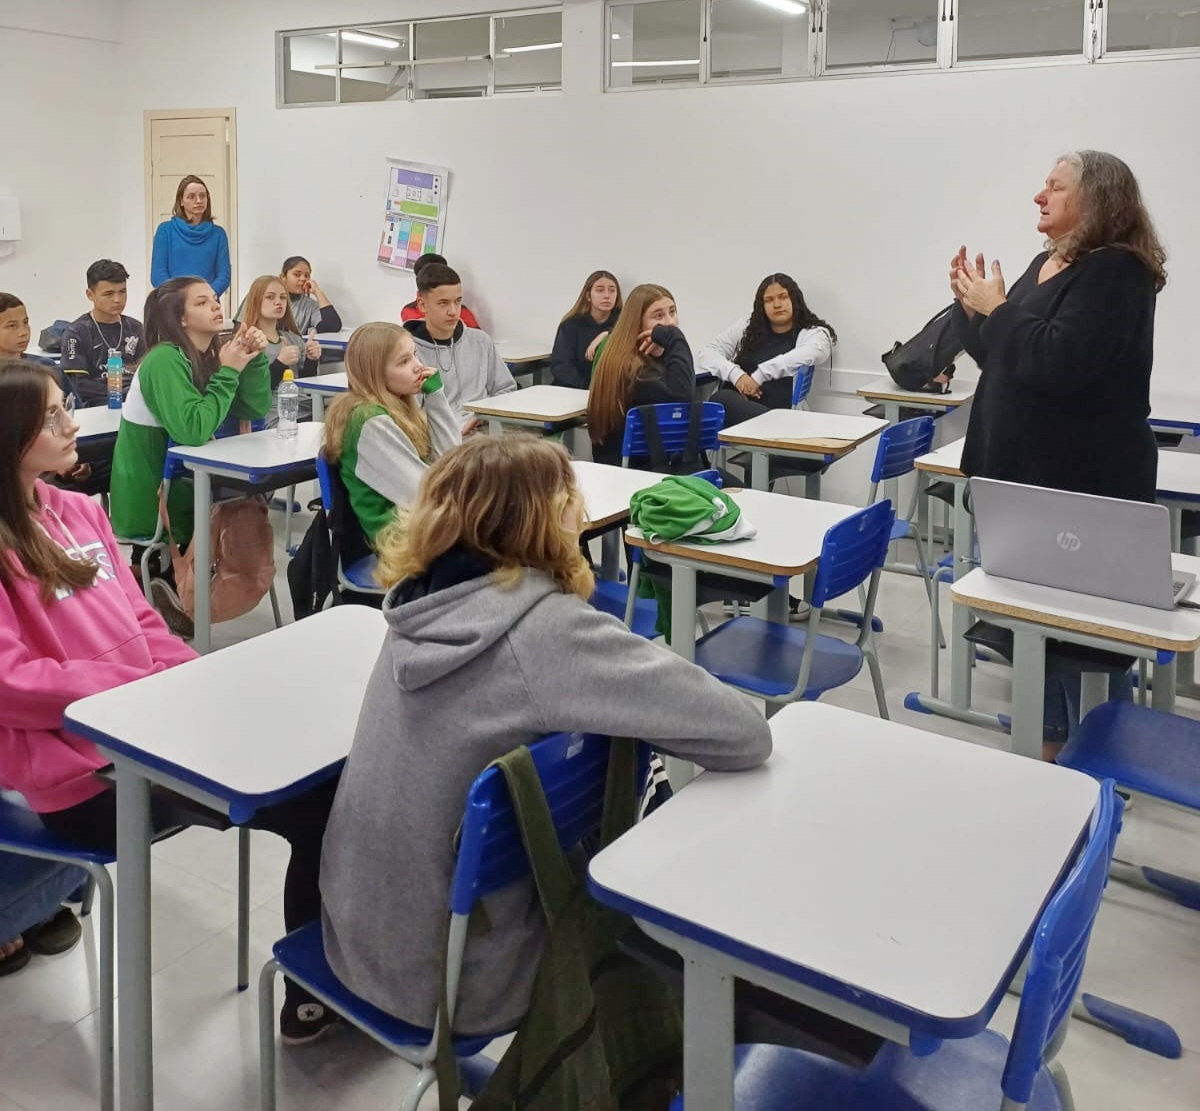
[
  {"x": 337, "y": 382},
  {"x": 790, "y": 534},
  {"x": 1175, "y": 410},
  {"x": 242, "y": 727},
  {"x": 890, "y": 866},
  {"x": 802, "y": 430},
  {"x": 885, "y": 389},
  {"x": 259, "y": 453},
  {"x": 537, "y": 403},
  {"x": 946, "y": 460},
  {"x": 517, "y": 351},
  {"x": 1174, "y": 630},
  {"x": 98, "y": 422},
  {"x": 1178, "y": 475},
  {"x": 606, "y": 490},
  {"x": 337, "y": 340}
]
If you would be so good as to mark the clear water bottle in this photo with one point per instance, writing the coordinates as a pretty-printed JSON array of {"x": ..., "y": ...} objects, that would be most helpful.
[
  {"x": 114, "y": 373},
  {"x": 287, "y": 406}
]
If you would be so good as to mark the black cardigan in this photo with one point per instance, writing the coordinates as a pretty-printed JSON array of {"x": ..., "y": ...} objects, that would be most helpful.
[
  {"x": 1064, "y": 392},
  {"x": 569, "y": 364}
]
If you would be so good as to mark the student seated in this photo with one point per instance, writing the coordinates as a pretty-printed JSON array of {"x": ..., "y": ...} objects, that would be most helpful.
[
  {"x": 185, "y": 388},
  {"x": 584, "y": 328},
  {"x": 311, "y": 309},
  {"x": 32, "y": 915},
  {"x": 466, "y": 358},
  {"x": 386, "y": 429},
  {"x": 268, "y": 309},
  {"x": 757, "y": 358},
  {"x": 491, "y": 644},
  {"x": 645, "y": 360},
  {"x": 414, "y": 309},
  {"x": 88, "y": 340},
  {"x": 74, "y": 622},
  {"x": 14, "y": 326}
]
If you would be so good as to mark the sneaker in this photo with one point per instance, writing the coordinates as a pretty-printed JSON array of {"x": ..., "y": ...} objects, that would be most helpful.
[
  {"x": 303, "y": 1023},
  {"x": 167, "y": 602},
  {"x": 55, "y": 935}
]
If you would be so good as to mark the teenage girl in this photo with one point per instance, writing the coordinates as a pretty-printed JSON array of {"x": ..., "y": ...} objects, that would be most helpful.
[
  {"x": 310, "y": 307},
  {"x": 584, "y": 328},
  {"x": 268, "y": 309},
  {"x": 488, "y": 631},
  {"x": 73, "y": 622},
  {"x": 387, "y": 428}
]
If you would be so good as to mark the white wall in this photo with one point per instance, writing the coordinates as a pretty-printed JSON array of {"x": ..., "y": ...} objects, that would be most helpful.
[
  {"x": 860, "y": 187},
  {"x": 62, "y": 155}
]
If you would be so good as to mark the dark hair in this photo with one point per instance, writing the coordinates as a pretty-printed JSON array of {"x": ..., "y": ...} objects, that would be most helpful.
[
  {"x": 583, "y": 302},
  {"x": 192, "y": 179},
  {"x": 758, "y": 328},
  {"x": 10, "y": 301},
  {"x": 163, "y": 323},
  {"x": 105, "y": 270},
  {"x": 436, "y": 274},
  {"x": 23, "y": 389},
  {"x": 291, "y": 261},
  {"x": 1112, "y": 214},
  {"x": 428, "y": 260}
]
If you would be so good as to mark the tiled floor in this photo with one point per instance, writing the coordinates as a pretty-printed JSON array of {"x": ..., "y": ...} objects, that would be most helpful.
[{"x": 1145, "y": 953}]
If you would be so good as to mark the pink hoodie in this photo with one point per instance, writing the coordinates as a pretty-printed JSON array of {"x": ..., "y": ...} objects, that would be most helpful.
[{"x": 81, "y": 643}]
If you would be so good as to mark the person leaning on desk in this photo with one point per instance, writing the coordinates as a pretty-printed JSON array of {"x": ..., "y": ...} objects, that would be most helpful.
[{"x": 1065, "y": 355}]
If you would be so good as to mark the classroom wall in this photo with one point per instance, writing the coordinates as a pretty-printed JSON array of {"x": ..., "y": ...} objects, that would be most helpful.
[
  {"x": 61, "y": 152},
  {"x": 860, "y": 187}
]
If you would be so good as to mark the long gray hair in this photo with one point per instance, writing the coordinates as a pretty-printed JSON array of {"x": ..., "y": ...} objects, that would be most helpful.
[{"x": 1111, "y": 214}]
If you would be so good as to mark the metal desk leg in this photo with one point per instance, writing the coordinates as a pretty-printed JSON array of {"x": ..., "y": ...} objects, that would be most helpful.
[
  {"x": 812, "y": 486},
  {"x": 960, "y": 650},
  {"x": 202, "y": 540},
  {"x": 133, "y": 941},
  {"x": 1093, "y": 689},
  {"x": 760, "y": 470},
  {"x": 318, "y": 405},
  {"x": 1029, "y": 690},
  {"x": 1162, "y": 690},
  {"x": 707, "y": 1038},
  {"x": 683, "y": 611},
  {"x": 495, "y": 427}
]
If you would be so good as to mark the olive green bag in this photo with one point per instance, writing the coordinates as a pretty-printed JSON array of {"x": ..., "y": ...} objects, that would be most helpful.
[{"x": 602, "y": 1033}]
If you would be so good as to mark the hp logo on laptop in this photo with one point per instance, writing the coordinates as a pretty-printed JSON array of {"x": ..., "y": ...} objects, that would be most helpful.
[{"x": 1068, "y": 541}]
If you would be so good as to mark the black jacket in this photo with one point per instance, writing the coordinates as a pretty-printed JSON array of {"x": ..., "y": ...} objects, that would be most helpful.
[{"x": 569, "y": 364}]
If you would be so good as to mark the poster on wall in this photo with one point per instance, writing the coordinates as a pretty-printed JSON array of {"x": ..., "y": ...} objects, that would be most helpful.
[{"x": 414, "y": 221}]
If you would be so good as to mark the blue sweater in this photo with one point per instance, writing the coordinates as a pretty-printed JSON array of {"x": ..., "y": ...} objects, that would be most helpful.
[{"x": 182, "y": 250}]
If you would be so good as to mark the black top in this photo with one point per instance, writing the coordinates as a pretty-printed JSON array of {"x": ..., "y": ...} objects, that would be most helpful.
[
  {"x": 85, "y": 347},
  {"x": 1064, "y": 392},
  {"x": 774, "y": 345},
  {"x": 670, "y": 377},
  {"x": 569, "y": 364}
]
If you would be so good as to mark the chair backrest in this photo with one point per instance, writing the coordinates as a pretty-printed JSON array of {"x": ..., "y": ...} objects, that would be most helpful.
[
  {"x": 573, "y": 768},
  {"x": 851, "y": 551},
  {"x": 900, "y": 446},
  {"x": 1059, "y": 949},
  {"x": 347, "y": 539},
  {"x": 802, "y": 384},
  {"x": 325, "y": 482},
  {"x": 22, "y": 832},
  {"x": 712, "y": 475},
  {"x": 684, "y": 428}
]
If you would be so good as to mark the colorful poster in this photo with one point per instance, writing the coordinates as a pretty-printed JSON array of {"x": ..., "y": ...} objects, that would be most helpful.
[{"x": 414, "y": 221}]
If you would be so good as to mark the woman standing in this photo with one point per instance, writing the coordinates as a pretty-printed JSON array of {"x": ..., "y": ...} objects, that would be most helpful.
[
  {"x": 584, "y": 329},
  {"x": 190, "y": 245},
  {"x": 1066, "y": 353}
]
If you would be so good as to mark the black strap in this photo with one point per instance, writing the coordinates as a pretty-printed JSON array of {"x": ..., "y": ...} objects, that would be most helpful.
[{"x": 654, "y": 444}]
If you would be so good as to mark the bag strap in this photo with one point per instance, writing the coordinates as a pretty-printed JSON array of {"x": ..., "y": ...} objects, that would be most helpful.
[
  {"x": 654, "y": 444},
  {"x": 620, "y": 789},
  {"x": 692, "y": 450}
]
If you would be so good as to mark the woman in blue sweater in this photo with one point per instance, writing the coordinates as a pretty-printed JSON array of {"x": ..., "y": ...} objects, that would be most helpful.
[{"x": 190, "y": 244}]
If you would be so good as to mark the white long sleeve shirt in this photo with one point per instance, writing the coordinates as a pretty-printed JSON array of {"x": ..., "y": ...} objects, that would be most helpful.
[{"x": 813, "y": 347}]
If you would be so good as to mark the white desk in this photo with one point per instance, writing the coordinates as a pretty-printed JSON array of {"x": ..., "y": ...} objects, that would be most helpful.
[
  {"x": 335, "y": 341},
  {"x": 258, "y": 458},
  {"x": 541, "y": 408},
  {"x": 97, "y": 424},
  {"x": 790, "y": 534},
  {"x": 885, "y": 392},
  {"x": 1178, "y": 486},
  {"x": 231, "y": 745},
  {"x": 606, "y": 493},
  {"x": 878, "y": 873},
  {"x": 1175, "y": 412},
  {"x": 322, "y": 386},
  {"x": 798, "y": 434},
  {"x": 517, "y": 353}
]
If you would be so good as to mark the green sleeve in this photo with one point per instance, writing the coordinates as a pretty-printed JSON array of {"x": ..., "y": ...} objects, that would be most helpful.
[
  {"x": 189, "y": 415},
  {"x": 253, "y": 399}
]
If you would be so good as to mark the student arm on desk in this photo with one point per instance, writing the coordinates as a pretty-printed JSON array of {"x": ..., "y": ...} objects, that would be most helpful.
[
  {"x": 330, "y": 321},
  {"x": 190, "y": 417},
  {"x": 813, "y": 348},
  {"x": 591, "y": 673}
]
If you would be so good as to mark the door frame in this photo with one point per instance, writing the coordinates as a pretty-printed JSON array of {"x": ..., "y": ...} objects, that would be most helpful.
[{"x": 231, "y": 217}]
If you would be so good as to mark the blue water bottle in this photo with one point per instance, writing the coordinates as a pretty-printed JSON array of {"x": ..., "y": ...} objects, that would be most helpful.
[{"x": 114, "y": 371}]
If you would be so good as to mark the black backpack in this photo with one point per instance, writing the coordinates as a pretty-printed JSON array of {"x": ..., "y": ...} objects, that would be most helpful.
[
  {"x": 51, "y": 336},
  {"x": 915, "y": 364}
]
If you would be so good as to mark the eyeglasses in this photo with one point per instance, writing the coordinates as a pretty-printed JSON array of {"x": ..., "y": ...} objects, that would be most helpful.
[{"x": 54, "y": 418}]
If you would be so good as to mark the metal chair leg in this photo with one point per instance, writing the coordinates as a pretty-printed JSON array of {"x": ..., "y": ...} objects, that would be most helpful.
[
  {"x": 100, "y": 879},
  {"x": 89, "y": 894},
  {"x": 412, "y": 1097},
  {"x": 266, "y": 1036},
  {"x": 275, "y": 607},
  {"x": 243, "y": 927},
  {"x": 877, "y": 683}
]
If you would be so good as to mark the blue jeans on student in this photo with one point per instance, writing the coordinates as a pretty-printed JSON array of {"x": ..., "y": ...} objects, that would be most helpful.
[{"x": 32, "y": 890}]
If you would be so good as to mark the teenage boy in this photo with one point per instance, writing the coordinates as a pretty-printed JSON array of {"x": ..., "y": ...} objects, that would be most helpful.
[
  {"x": 467, "y": 358},
  {"x": 413, "y": 310},
  {"x": 87, "y": 341}
]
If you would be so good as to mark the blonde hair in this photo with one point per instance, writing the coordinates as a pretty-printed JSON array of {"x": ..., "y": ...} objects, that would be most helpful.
[
  {"x": 252, "y": 312},
  {"x": 620, "y": 365},
  {"x": 583, "y": 303},
  {"x": 371, "y": 348},
  {"x": 502, "y": 497}
]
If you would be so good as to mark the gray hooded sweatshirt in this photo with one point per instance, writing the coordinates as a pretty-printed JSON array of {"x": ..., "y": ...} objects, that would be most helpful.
[
  {"x": 465, "y": 675},
  {"x": 470, "y": 365}
]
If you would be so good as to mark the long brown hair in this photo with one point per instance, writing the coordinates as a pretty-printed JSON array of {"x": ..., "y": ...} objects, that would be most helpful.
[
  {"x": 192, "y": 179},
  {"x": 501, "y": 497},
  {"x": 583, "y": 302},
  {"x": 1112, "y": 214},
  {"x": 371, "y": 348},
  {"x": 25, "y": 549},
  {"x": 619, "y": 364},
  {"x": 163, "y": 323},
  {"x": 252, "y": 312}
]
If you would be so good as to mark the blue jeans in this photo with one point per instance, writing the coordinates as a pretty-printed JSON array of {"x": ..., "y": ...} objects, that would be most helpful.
[{"x": 32, "y": 890}]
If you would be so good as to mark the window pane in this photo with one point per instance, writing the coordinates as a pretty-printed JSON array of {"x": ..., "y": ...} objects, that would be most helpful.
[
  {"x": 654, "y": 44},
  {"x": 996, "y": 29},
  {"x": 878, "y": 32},
  {"x": 451, "y": 38},
  {"x": 751, "y": 39},
  {"x": 372, "y": 58},
  {"x": 1153, "y": 24},
  {"x": 533, "y": 45},
  {"x": 303, "y": 82}
]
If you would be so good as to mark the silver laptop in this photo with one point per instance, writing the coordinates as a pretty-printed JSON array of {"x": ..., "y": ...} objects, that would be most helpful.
[{"x": 1105, "y": 547}]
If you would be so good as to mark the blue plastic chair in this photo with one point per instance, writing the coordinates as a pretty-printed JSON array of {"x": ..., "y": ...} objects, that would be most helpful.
[
  {"x": 802, "y": 385},
  {"x": 573, "y": 769},
  {"x": 358, "y": 576},
  {"x": 981, "y": 1073},
  {"x": 782, "y": 664},
  {"x": 673, "y": 420}
]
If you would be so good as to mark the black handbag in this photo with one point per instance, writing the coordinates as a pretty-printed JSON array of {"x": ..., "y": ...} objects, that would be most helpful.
[{"x": 915, "y": 364}]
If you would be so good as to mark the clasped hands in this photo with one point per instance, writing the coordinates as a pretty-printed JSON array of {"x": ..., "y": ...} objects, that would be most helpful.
[{"x": 972, "y": 288}]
